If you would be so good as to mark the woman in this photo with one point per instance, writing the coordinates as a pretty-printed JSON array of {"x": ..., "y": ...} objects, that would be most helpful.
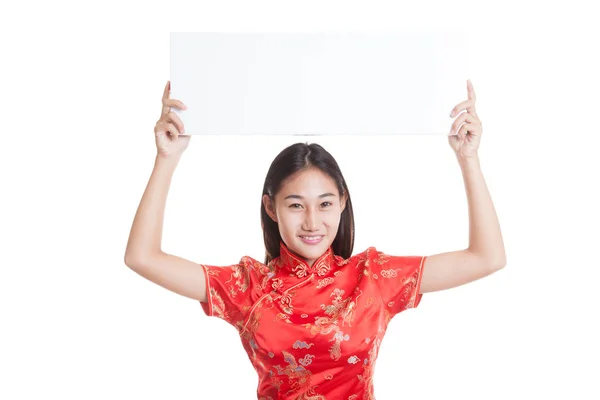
[{"x": 312, "y": 316}]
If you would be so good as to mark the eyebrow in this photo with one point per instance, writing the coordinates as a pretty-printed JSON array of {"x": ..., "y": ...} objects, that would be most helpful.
[{"x": 296, "y": 196}]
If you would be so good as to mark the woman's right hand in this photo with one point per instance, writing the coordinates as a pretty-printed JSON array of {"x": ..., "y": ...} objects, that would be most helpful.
[{"x": 169, "y": 128}]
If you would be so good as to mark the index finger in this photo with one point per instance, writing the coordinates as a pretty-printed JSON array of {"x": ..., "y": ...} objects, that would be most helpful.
[
  {"x": 166, "y": 93},
  {"x": 472, "y": 98},
  {"x": 471, "y": 91}
]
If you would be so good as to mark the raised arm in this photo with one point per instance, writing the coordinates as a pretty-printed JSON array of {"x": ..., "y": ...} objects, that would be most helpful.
[
  {"x": 144, "y": 254},
  {"x": 485, "y": 253}
]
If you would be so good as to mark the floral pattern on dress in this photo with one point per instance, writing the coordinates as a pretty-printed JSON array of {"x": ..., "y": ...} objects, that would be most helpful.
[{"x": 314, "y": 332}]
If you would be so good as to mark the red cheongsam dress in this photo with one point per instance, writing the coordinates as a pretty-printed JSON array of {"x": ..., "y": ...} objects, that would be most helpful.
[{"x": 314, "y": 332}]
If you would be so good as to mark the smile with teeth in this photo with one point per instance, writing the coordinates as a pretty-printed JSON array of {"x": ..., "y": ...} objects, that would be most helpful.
[{"x": 311, "y": 238}]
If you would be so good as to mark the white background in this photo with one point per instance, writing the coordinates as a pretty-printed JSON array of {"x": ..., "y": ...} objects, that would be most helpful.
[{"x": 81, "y": 90}]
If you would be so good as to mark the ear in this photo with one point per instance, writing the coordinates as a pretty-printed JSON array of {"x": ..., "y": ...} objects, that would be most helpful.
[{"x": 269, "y": 207}]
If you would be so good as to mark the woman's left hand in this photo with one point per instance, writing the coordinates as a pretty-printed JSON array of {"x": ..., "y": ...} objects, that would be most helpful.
[{"x": 465, "y": 141}]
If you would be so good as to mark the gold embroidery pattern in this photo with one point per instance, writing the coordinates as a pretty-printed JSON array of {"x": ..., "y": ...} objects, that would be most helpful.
[
  {"x": 218, "y": 307},
  {"x": 298, "y": 376},
  {"x": 339, "y": 307},
  {"x": 253, "y": 321},
  {"x": 277, "y": 284},
  {"x": 301, "y": 270},
  {"x": 242, "y": 280},
  {"x": 381, "y": 258},
  {"x": 349, "y": 311},
  {"x": 276, "y": 305},
  {"x": 410, "y": 294},
  {"x": 369, "y": 364},
  {"x": 389, "y": 273},
  {"x": 324, "y": 282},
  {"x": 322, "y": 269}
]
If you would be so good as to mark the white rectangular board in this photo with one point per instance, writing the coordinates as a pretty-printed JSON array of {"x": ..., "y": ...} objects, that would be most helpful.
[{"x": 318, "y": 83}]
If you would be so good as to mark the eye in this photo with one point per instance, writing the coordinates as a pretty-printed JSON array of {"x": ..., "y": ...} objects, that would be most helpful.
[{"x": 324, "y": 204}]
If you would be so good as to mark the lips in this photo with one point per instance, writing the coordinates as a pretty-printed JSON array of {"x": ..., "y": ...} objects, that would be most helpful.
[{"x": 311, "y": 239}]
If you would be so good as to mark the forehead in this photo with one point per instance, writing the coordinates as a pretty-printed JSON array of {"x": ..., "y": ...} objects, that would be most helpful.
[{"x": 308, "y": 183}]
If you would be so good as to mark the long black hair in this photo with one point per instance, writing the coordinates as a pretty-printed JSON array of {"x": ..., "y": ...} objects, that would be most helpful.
[{"x": 292, "y": 159}]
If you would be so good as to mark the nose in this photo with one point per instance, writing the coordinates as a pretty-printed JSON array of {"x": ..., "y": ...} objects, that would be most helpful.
[{"x": 310, "y": 222}]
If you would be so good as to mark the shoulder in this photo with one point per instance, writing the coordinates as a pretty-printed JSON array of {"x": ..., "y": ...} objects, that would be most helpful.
[
  {"x": 377, "y": 260},
  {"x": 251, "y": 266},
  {"x": 358, "y": 259},
  {"x": 369, "y": 255},
  {"x": 247, "y": 268}
]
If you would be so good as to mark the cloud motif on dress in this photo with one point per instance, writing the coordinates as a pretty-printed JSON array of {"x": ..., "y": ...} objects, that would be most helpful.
[
  {"x": 389, "y": 273},
  {"x": 302, "y": 345},
  {"x": 353, "y": 360},
  {"x": 306, "y": 360},
  {"x": 339, "y": 335}
]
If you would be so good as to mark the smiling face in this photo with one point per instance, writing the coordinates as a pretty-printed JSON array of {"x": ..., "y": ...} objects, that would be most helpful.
[{"x": 307, "y": 210}]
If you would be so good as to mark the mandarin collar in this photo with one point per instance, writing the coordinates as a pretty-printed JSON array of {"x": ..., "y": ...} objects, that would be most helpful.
[{"x": 297, "y": 266}]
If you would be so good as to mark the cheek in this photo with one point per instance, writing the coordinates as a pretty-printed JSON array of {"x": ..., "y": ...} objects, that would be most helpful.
[
  {"x": 332, "y": 219},
  {"x": 289, "y": 221}
]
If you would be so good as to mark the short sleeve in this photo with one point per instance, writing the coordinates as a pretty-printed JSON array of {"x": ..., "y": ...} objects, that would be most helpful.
[
  {"x": 398, "y": 279},
  {"x": 230, "y": 291}
]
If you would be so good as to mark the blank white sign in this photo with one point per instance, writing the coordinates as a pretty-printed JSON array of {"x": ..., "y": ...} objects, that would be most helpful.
[{"x": 318, "y": 83}]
